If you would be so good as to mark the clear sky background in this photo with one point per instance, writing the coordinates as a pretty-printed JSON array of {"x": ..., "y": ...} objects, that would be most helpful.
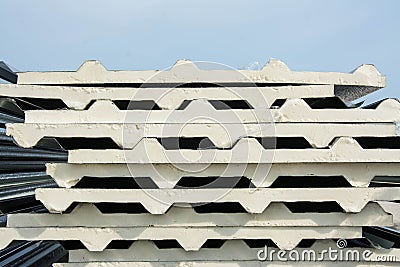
[{"x": 308, "y": 35}]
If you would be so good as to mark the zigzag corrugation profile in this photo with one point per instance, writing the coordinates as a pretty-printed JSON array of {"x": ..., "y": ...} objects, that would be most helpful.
[
  {"x": 97, "y": 239},
  {"x": 276, "y": 214},
  {"x": 261, "y": 175},
  {"x": 201, "y": 111},
  {"x": 253, "y": 200},
  {"x": 185, "y": 71},
  {"x": 167, "y": 98},
  {"x": 246, "y": 150},
  {"x": 231, "y": 250},
  {"x": 222, "y": 135}
]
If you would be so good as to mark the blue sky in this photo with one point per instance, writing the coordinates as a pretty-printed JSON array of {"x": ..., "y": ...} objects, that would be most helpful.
[{"x": 308, "y": 35}]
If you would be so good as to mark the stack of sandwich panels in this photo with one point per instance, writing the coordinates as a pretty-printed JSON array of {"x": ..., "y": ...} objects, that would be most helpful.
[{"x": 205, "y": 167}]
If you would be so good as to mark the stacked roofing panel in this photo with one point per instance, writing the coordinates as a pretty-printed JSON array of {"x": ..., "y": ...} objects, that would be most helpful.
[{"x": 208, "y": 167}]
